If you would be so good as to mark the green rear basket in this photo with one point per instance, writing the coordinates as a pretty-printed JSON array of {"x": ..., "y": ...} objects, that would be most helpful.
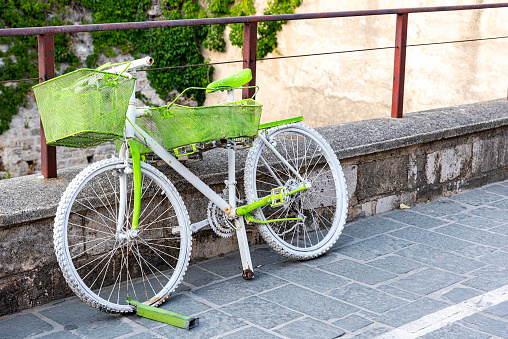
[
  {"x": 182, "y": 125},
  {"x": 83, "y": 108}
]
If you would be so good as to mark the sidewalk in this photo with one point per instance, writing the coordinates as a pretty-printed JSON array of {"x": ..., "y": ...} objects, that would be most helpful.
[{"x": 438, "y": 270}]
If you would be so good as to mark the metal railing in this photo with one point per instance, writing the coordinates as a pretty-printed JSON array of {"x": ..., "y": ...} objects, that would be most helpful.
[{"x": 47, "y": 60}]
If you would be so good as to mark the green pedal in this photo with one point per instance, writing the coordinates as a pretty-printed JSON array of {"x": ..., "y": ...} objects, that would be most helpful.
[{"x": 164, "y": 316}]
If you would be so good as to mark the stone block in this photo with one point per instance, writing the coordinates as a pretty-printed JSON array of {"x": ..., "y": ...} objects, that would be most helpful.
[
  {"x": 447, "y": 164},
  {"x": 489, "y": 154},
  {"x": 382, "y": 176}
]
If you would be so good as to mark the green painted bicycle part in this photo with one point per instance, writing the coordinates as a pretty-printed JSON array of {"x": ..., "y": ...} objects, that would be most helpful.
[
  {"x": 278, "y": 196},
  {"x": 136, "y": 169},
  {"x": 250, "y": 218},
  {"x": 83, "y": 108},
  {"x": 236, "y": 79},
  {"x": 190, "y": 125},
  {"x": 186, "y": 150},
  {"x": 168, "y": 317},
  {"x": 280, "y": 122},
  {"x": 243, "y": 210}
]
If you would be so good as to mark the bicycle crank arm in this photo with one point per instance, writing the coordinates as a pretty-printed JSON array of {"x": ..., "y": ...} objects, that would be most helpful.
[{"x": 274, "y": 199}]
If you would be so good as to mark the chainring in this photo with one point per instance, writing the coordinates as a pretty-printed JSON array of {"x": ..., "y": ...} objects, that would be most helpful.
[{"x": 219, "y": 222}]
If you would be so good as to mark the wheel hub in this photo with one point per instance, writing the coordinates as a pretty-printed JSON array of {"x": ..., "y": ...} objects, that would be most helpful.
[{"x": 126, "y": 236}]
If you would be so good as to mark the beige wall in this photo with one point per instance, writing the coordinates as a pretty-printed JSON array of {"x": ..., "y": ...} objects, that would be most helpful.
[{"x": 354, "y": 86}]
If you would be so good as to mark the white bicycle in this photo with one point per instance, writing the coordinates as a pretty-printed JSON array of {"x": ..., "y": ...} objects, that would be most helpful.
[{"x": 122, "y": 229}]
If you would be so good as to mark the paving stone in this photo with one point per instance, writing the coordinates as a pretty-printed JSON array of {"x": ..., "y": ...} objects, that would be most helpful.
[
  {"x": 498, "y": 189},
  {"x": 500, "y": 310},
  {"x": 369, "y": 227},
  {"x": 199, "y": 277},
  {"x": 426, "y": 281},
  {"x": 474, "y": 235},
  {"x": 324, "y": 259},
  {"x": 492, "y": 213},
  {"x": 144, "y": 335},
  {"x": 503, "y": 229},
  {"x": 472, "y": 220},
  {"x": 474, "y": 251},
  {"x": 503, "y": 204},
  {"x": 476, "y": 197},
  {"x": 250, "y": 332},
  {"x": 440, "y": 208},
  {"x": 359, "y": 272},
  {"x": 231, "y": 264},
  {"x": 352, "y": 323},
  {"x": 482, "y": 323},
  {"x": 460, "y": 294},
  {"x": 398, "y": 292},
  {"x": 454, "y": 331},
  {"x": 264, "y": 256},
  {"x": 439, "y": 258},
  {"x": 308, "y": 302},
  {"x": 184, "y": 305},
  {"x": 374, "y": 247},
  {"x": 226, "y": 266},
  {"x": 415, "y": 219},
  {"x": 342, "y": 241},
  {"x": 56, "y": 335},
  {"x": 410, "y": 312},
  {"x": 430, "y": 238},
  {"x": 372, "y": 332},
  {"x": 395, "y": 264},
  {"x": 484, "y": 284},
  {"x": 222, "y": 293},
  {"x": 23, "y": 325},
  {"x": 260, "y": 283},
  {"x": 211, "y": 323},
  {"x": 307, "y": 276},
  {"x": 309, "y": 328},
  {"x": 261, "y": 312},
  {"x": 367, "y": 297},
  {"x": 499, "y": 258},
  {"x": 86, "y": 321}
]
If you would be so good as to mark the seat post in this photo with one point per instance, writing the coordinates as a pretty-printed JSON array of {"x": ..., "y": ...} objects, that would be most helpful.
[{"x": 231, "y": 95}]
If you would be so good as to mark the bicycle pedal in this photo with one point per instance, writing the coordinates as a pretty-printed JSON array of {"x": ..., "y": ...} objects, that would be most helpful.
[{"x": 278, "y": 196}]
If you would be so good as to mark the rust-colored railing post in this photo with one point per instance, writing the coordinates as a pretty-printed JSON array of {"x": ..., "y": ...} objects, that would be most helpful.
[
  {"x": 46, "y": 72},
  {"x": 399, "y": 67},
  {"x": 250, "y": 40}
]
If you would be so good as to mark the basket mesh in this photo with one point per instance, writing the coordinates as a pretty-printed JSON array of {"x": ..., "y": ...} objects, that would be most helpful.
[
  {"x": 182, "y": 125},
  {"x": 83, "y": 108}
]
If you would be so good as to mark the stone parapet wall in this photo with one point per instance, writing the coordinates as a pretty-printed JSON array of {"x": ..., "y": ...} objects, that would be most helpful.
[{"x": 386, "y": 162}]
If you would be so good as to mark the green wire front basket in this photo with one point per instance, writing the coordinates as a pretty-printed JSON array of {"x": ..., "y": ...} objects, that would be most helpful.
[{"x": 84, "y": 108}]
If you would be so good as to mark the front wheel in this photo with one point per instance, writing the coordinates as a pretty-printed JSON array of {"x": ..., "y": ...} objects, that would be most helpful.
[
  {"x": 322, "y": 208},
  {"x": 103, "y": 259}
]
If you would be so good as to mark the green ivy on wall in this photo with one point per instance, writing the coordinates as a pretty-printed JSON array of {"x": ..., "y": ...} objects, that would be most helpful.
[
  {"x": 169, "y": 46},
  {"x": 19, "y": 60}
]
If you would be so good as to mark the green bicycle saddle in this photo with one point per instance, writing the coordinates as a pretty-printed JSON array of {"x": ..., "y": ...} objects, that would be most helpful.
[{"x": 236, "y": 79}]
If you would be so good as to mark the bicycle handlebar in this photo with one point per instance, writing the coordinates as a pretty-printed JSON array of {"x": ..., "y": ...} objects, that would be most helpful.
[{"x": 133, "y": 65}]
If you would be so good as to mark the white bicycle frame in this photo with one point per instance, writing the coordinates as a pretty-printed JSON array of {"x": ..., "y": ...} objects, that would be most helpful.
[{"x": 134, "y": 132}]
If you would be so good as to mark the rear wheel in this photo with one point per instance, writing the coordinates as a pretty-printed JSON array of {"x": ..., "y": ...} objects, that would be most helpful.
[
  {"x": 322, "y": 208},
  {"x": 104, "y": 264}
]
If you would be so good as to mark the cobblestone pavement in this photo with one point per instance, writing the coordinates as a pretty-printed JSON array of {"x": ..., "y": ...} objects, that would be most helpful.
[{"x": 438, "y": 270}]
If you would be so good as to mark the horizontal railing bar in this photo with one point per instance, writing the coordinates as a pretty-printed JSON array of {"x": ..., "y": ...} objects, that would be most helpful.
[
  {"x": 18, "y": 80},
  {"x": 231, "y": 20}
]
